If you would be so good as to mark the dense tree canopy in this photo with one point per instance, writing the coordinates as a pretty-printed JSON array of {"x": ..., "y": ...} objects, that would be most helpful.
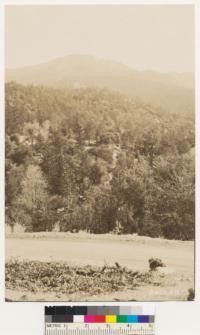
[{"x": 91, "y": 159}]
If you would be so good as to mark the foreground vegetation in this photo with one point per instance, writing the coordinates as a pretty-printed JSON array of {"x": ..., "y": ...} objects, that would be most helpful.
[
  {"x": 93, "y": 160},
  {"x": 60, "y": 277},
  {"x": 41, "y": 280}
]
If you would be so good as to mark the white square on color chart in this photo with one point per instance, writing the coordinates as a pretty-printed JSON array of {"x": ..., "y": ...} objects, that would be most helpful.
[{"x": 79, "y": 318}]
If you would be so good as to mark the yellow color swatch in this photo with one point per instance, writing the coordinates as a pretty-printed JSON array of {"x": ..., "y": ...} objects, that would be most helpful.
[{"x": 111, "y": 318}]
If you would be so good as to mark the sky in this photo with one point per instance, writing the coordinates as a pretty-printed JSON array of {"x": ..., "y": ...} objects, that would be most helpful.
[{"x": 145, "y": 37}]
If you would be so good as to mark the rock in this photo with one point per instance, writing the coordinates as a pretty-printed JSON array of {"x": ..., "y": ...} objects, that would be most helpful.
[
  {"x": 154, "y": 263},
  {"x": 191, "y": 294}
]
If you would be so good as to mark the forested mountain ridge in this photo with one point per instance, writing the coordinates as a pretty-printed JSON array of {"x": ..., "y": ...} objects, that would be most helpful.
[
  {"x": 172, "y": 91},
  {"x": 91, "y": 159}
]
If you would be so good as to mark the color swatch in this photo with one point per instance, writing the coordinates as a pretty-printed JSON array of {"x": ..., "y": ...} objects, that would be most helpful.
[{"x": 97, "y": 314}]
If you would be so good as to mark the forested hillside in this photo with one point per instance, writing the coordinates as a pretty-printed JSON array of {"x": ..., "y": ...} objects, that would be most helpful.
[
  {"x": 174, "y": 91},
  {"x": 92, "y": 159}
]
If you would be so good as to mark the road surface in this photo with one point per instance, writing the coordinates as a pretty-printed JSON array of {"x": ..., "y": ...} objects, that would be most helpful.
[{"x": 177, "y": 255}]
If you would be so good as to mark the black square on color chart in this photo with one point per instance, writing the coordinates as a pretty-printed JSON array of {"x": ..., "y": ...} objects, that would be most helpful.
[
  {"x": 61, "y": 310},
  {"x": 50, "y": 310},
  {"x": 69, "y": 310}
]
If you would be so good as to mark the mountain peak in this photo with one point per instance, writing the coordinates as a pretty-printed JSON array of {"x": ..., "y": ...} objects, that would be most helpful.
[{"x": 171, "y": 91}]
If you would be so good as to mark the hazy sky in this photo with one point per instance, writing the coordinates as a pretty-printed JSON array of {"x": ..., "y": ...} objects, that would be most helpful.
[{"x": 154, "y": 37}]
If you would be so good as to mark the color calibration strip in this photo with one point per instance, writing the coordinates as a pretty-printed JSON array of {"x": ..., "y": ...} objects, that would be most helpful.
[
  {"x": 100, "y": 320},
  {"x": 97, "y": 314}
]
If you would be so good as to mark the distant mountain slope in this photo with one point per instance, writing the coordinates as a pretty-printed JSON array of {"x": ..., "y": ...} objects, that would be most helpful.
[{"x": 171, "y": 91}]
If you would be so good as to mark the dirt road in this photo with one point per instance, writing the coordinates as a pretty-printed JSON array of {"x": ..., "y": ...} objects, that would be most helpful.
[{"x": 178, "y": 256}]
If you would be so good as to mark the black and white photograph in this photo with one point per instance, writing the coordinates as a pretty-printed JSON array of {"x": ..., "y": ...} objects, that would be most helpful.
[{"x": 99, "y": 152}]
